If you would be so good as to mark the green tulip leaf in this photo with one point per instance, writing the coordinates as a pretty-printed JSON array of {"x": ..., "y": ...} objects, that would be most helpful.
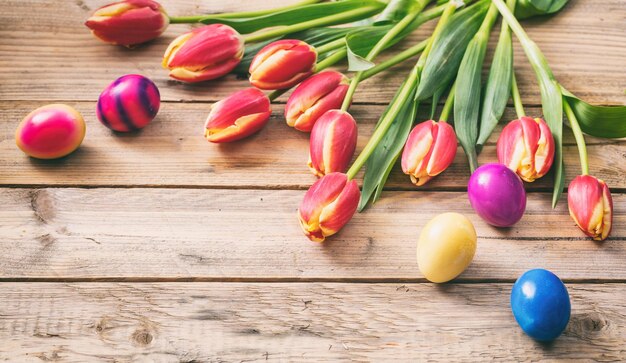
[
  {"x": 551, "y": 97},
  {"x": 360, "y": 41},
  {"x": 339, "y": 12},
  {"x": 498, "y": 86},
  {"x": 529, "y": 8},
  {"x": 395, "y": 11},
  {"x": 468, "y": 89},
  {"x": 448, "y": 49},
  {"x": 599, "y": 121},
  {"x": 382, "y": 160},
  {"x": 356, "y": 63}
]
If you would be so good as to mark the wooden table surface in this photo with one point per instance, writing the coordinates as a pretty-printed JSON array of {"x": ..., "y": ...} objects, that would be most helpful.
[{"x": 158, "y": 246}]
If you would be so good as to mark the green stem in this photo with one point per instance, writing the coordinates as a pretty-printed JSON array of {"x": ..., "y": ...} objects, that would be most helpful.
[
  {"x": 379, "y": 133},
  {"x": 447, "y": 107},
  {"x": 236, "y": 15},
  {"x": 517, "y": 98},
  {"x": 315, "y": 23},
  {"x": 331, "y": 60},
  {"x": 379, "y": 46},
  {"x": 277, "y": 93},
  {"x": 578, "y": 134},
  {"x": 328, "y": 62},
  {"x": 335, "y": 44},
  {"x": 396, "y": 59},
  {"x": 512, "y": 22},
  {"x": 403, "y": 96}
]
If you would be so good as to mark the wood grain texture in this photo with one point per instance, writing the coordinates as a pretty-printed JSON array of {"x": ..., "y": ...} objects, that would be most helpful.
[
  {"x": 254, "y": 234},
  {"x": 172, "y": 152},
  {"x": 50, "y": 55},
  {"x": 202, "y": 322}
]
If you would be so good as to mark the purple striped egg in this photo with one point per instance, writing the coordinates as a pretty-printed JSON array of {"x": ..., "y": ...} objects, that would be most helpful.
[{"x": 129, "y": 103}]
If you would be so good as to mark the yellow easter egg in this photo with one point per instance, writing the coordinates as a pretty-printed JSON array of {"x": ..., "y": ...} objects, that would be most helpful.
[{"x": 446, "y": 247}]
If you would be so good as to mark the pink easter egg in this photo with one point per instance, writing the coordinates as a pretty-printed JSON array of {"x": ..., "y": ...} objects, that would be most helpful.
[
  {"x": 50, "y": 132},
  {"x": 129, "y": 103}
]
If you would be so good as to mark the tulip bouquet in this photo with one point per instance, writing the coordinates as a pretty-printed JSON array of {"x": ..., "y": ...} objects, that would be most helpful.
[
  {"x": 293, "y": 46},
  {"x": 529, "y": 147}
]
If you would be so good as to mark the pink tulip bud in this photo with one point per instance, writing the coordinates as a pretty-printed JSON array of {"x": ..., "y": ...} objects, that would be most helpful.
[
  {"x": 332, "y": 143},
  {"x": 591, "y": 206},
  {"x": 313, "y": 97},
  {"x": 237, "y": 116},
  {"x": 282, "y": 64},
  {"x": 204, "y": 53},
  {"x": 128, "y": 22},
  {"x": 328, "y": 205},
  {"x": 50, "y": 132},
  {"x": 429, "y": 150},
  {"x": 526, "y": 146}
]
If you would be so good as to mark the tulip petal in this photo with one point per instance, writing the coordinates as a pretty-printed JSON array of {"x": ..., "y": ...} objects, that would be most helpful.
[
  {"x": 607, "y": 220},
  {"x": 323, "y": 192},
  {"x": 128, "y": 22},
  {"x": 282, "y": 64},
  {"x": 237, "y": 116},
  {"x": 332, "y": 144},
  {"x": 338, "y": 213},
  {"x": 417, "y": 147},
  {"x": 205, "y": 53},
  {"x": 591, "y": 206},
  {"x": 313, "y": 97},
  {"x": 443, "y": 150},
  {"x": 242, "y": 128},
  {"x": 510, "y": 147},
  {"x": 544, "y": 156}
]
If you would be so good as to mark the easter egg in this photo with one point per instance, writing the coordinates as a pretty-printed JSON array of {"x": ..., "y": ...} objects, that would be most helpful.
[
  {"x": 446, "y": 247},
  {"x": 540, "y": 304},
  {"x": 497, "y": 195},
  {"x": 50, "y": 132},
  {"x": 129, "y": 103}
]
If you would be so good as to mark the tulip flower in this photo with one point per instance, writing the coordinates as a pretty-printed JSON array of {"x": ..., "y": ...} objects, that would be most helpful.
[
  {"x": 313, "y": 97},
  {"x": 591, "y": 206},
  {"x": 526, "y": 146},
  {"x": 128, "y": 22},
  {"x": 204, "y": 53},
  {"x": 332, "y": 144},
  {"x": 282, "y": 64},
  {"x": 429, "y": 150},
  {"x": 328, "y": 205},
  {"x": 237, "y": 116}
]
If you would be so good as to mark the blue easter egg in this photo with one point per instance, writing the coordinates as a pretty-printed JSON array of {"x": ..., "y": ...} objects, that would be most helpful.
[{"x": 540, "y": 304}]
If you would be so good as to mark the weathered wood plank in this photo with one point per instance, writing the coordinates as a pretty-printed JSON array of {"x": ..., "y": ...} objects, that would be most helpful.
[
  {"x": 201, "y": 322},
  {"x": 50, "y": 55},
  {"x": 172, "y": 152},
  {"x": 254, "y": 234}
]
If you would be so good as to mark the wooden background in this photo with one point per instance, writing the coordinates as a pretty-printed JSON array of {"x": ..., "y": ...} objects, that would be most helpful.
[{"x": 158, "y": 246}]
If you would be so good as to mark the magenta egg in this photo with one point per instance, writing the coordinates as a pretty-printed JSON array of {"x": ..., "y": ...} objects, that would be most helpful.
[
  {"x": 129, "y": 103},
  {"x": 50, "y": 132},
  {"x": 497, "y": 195}
]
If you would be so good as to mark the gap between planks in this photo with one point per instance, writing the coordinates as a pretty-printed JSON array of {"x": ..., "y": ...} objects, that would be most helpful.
[{"x": 284, "y": 280}]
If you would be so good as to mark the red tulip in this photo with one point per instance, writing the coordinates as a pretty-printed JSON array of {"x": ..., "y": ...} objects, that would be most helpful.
[
  {"x": 204, "y": 53},
  {"x": 429, "y": 150},
  {"x": 313, "y": 97},
  {"x": 282, "y": 64},
  {"x": 332, "y": 143},
  {"x": 328, "y": 205},
  {"x": 128, "y": 22},
  {"x": 591, "y": 206},
  {"x": 526, "y": 146},
  {"x": 237, "y": 116}
]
